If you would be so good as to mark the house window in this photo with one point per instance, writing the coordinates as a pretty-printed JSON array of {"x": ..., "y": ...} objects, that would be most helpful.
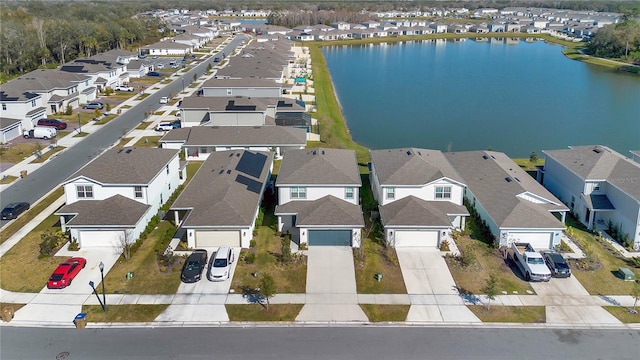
[
  {"x": 84, "y": 191},
  {"x": 391, "y": 193},
  {"x": 443, "y": 192},
  {"x": 169, "y": 186},
  {"x": 167, "y": 169},
  {"x": 229, "y": 92},
  {"x": 348, "y": 193},
  {"x": 4, "y": 106},
  {"x": 137, "y": 190},
  {"x": 573, "y": 201},
  {"x": 203, "y": 150},
  {"x": 33, "y": 103},
  {"x": 298, "y": 192}
]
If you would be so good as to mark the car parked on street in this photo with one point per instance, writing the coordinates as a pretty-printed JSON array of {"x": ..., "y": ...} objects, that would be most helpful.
[
  {"x": 557, "y": 264},
  {"x": 64, "y": 274},
  {"x": 93, "y": 105},
  {"x": 167, "y": 125},
  {"x": 60, "y": 125},
  {"x": 13, "y": 210},
  {"x": 164, "y": 100},
  {"x": 193, "y": 266},
  {"x": 220, "y": 264}
]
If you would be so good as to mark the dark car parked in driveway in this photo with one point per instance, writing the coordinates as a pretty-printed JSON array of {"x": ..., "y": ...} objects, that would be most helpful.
[
  {"x": 193, "y": 267},
  {"x": 12, "y": 210},
  {"x": 60, "y": 125},
  {"x": 557, "y": 264}
]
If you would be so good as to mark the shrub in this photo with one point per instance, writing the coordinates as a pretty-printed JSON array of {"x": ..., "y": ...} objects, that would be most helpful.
[
  {"x": 68, "y": 110},
  {"x": 252, "y": 243},
  {"x": 467, "y": 256},
  {"x": 73, "y": 245},
  {"x": 286, "y": 249},
  {"x": 250, "y": 258},
  {"x": 51, "y": 242},
  {"x": 444, "y": 246}
]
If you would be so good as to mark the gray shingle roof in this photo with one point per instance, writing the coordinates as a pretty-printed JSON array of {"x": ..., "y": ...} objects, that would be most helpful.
[
  {"x": 127, "y": 165},
  {"x": 218, "y": 194},
  {"x": 241, "y": 136},
  {"x": 600, "y": 163},
  {"x": 250, "y": 83},
  {"x": 27, "y": 86},
  {"x": 412, "y": 166},
  {"x": 114, "y": 211},
  {"x": 326, "y": 211},
  {"x": 319, "y": 166},
  {"x": 412, "y": 211},
  {"x": 496, "y": 181},
  {"x": 227, "y": 104}
]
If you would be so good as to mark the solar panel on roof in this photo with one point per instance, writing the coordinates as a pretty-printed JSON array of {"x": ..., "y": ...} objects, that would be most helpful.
[
  {"x": 251, "y": 164},
  {"x": 252, "y": 185}
]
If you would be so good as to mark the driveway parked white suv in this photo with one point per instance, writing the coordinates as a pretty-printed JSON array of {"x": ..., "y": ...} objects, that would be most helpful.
[
  {"x": 123, "y": 88},
  {"x": 220, "y": 264}
]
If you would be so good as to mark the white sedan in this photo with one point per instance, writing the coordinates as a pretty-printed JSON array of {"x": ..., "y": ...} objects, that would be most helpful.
[{"x": 164, "y": 100}]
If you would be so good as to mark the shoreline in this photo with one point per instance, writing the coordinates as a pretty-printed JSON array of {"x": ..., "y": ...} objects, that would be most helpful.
[{"x": 335, "y": 121}]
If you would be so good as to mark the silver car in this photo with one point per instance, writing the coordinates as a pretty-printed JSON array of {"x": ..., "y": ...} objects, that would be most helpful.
[{"x": 220, "y": 264}]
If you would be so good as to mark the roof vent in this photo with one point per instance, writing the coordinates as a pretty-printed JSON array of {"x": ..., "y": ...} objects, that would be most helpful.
[
  {"x": 313, "y": 152},
  {"x": 485, "y": 157},
  {"x": 518, "y": 180},
  {"x": 408, "y": 153},
  {"x": 597, "y": 150},
  {"x": 322, "y": 152},
  {"x": 228, "y": 171},
  {"x": 221, "y": 172},
  {"x": 128, "y": 151},
  {"x": 508, "y": 178},
  {"x": 238, "y": 155},
  {"x": 419, "y": 153}
]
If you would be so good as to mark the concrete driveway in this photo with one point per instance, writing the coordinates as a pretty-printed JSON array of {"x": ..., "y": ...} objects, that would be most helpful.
[
  {"x": 202, "y": 301},
  {"x": 432, "y": 291},
  {"x": 62, "y": 305},
  {"x": 331, "y": 286},
  {"x": 570, "y": 303}
]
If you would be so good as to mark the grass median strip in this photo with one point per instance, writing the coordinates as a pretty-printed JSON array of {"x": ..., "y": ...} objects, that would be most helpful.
[
  {"x": 383, "y": 313},
  {"x": 622, "y": 313},
  {"x": 258, "y": 312},
  {"x": 510, "y": 314},
  {"x": 373, "y": 261},
  {"x": 123, "y": 313}
]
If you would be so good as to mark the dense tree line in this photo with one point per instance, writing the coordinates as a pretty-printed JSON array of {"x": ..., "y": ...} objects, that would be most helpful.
[
  {"x": 618, "y": 41},
  {"x": 38, "y": 34}
]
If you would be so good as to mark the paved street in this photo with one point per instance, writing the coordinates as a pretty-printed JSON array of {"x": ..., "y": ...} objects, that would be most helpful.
[{"x": 315, "y": 343}]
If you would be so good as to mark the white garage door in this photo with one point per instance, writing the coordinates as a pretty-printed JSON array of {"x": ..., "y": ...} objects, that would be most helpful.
[
  {"x": 100, "y": 238},
  {"x": 217, "y": 238},
  {"x": 407, "y": 238},
  {"x": 539, "y": 241},
  {"x": 10, "y": 134}
]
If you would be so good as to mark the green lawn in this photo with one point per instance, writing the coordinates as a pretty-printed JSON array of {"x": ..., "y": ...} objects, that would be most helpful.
[
  {"x": 603, "y": 280},
  {"x": 149, "y": 277},
  {"x": 510, "y": 314},
  {"x": 18, "y": 152},
  {"x": 48, "y": 154},
  {"x": 8, "y": 179},
  {"x": 149, "y": 141},
  {"x": 489, "y": 260},
  {"x": 383, "y": 313},
  {"x": 622, "y": 313},
  {"x": 257, "y": 312},
  {"x": 123, "y": 313},
  {"x": 22, "y": 270}
]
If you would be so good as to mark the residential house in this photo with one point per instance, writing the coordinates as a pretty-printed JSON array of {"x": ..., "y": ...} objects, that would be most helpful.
[
  {"x": 601, "y": 187},
  {"x": 106, "y": 69},
  {"x": 511, "y": 203},
  {"x": 319, "y": 197},
  {"x": 9, "y": 129},
  {"x": 113, "y": 198},
  {"x": 220, "y": 204},
  {"x": 438, "y": 28},
  {"x": 255, "y": 88},
  {"x": 420, "y": 196},
  {"x": 166, "y": 48},
  {"x": 199, "y": 141}
]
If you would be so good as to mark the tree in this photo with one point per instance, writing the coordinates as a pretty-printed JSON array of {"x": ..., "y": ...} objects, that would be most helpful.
[
  {"x": 125, "y": 244},
  {"x": 635, "y": 293},
  {"x": 267, "y": 287},
  {"x": 533, "y": 158},
  {"x": 490, "y": 289}
]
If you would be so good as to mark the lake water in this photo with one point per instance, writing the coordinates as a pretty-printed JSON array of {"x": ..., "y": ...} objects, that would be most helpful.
[{"x": 516, "y": 97}]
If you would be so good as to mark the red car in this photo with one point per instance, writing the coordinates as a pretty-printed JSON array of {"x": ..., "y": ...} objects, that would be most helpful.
[{"x": 65, "y": 272}]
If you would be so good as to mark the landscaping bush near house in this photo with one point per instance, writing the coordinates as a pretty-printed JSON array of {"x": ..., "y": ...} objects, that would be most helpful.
[{"x": 51, "y": 242}]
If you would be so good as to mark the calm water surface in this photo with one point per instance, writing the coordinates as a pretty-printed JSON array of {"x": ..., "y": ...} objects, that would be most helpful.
[{"x": 512, "y": 97}]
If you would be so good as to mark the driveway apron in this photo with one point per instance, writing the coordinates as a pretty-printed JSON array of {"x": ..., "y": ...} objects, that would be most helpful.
[
  {"x": 431, "y": 288},
  {"x": 331, "y": 286}
]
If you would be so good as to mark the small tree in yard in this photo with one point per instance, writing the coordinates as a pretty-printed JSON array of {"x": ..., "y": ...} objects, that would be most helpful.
[
  {"x": 491, "y": 289},
  {"x": 533, "y": 158},
  {"x": 267, "y": 287},
  {"x": 635, "y": 293},
  {"x": 125, "y": 244}
]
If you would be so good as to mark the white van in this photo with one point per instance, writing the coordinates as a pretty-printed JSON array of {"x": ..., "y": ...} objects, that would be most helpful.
[{"x": 41, "y": 132}]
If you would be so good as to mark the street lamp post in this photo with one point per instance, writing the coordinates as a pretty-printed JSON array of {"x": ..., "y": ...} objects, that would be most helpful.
[
  {"x": 104, "y": 299},
  {"x": 79, "y": 124},
  {"x": 91, "y": 283},
  {"x": 182, "y": 84}
]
